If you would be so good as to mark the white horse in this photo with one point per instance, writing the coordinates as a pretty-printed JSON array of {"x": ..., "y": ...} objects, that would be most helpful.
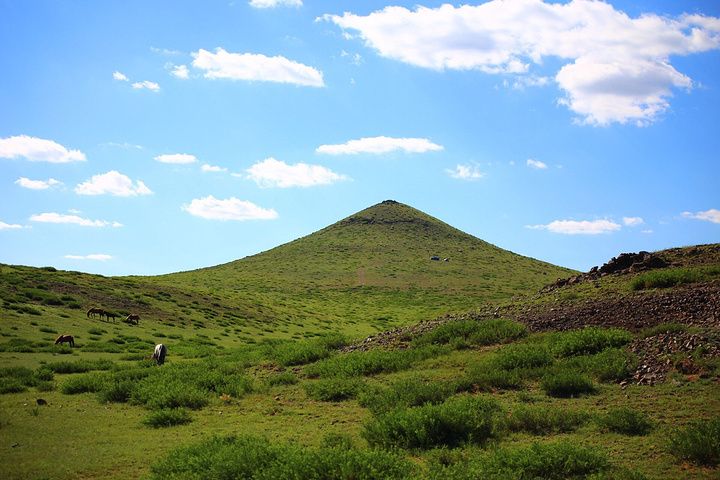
[{"x": 159, "y": 353}]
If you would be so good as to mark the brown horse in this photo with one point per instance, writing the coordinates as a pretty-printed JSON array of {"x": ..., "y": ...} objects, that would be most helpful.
[
  {"x": 65, "y": 338},
  {"x": 110, "y": 315},
  {"x": 133, "y": 318},
  {"x": 95, "y": 311}
]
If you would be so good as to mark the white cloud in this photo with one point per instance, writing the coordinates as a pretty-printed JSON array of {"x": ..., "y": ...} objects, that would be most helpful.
[
  {"x": 355, "y": 58},
  {"x": 9, "y": 226},
  {"x": 583, "y": 227},
  {"x": 647, "y": 232},
  {"x": 711, "y": 215},
  {"x": 616, "y": 68},
  {"x": 123, "y": 145},
  {"x": 536, "y": 164},
  {"x": 465, "y": 172},
  {"x": 255, "y": 67},
  {"x": 120, "y": 76},
  {"x": 112, "y": 183},
  {"x": 633, "y": 221},
  {"x": 275, "y": 173},
  {"x": 231, "y": 209},
  {"x": 212, "y": 168},
  {"x": 275, "y": 3},
  {"x": 180, "y": 71},
  {"x": 165, "y": 51},
  {"x": 71, "y": 219},
  {"x": 379, "y": 145},
  {"x": 38, "y": 150},
  {"x": 146, "y": 84},
  {"x": 176, "y": 158},
  {"x": 93, "y": 256},
  {"x": 37, "y": 184}
]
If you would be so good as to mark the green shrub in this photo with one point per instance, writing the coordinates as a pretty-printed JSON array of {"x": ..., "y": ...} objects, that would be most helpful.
[
  {"x": 80, "y": 366},
  {"x": 168, "y": 417},
  {"x": 90, "y": 382},
  {"x": 567, "y": 384},
  {"x": 282, "y": 378},
  {"x": 11, "y": 385},
  {"x": 458, "y": 420},
  {"x": 410, "y": 392},
  {"x": 47, "y": 330},
  {"x": 523, "y": 356},
  {"x": 551, "y": 461},
  {"x": 610, "y": 365},
  {"x": 465, "y": 333},
  {"x": 486, "y": 377},
  {"x": 588, "y": 341},
  {"x": 544, "y": 420},
  {"x": 670, "y": 327},
  {"x": 371, "y": 362},
  {"x": 626, "y": 421},
  {"x": 168, "y": 394},
  {"x": 18, "y": 379},
  {"x": 337, "y": 440},
  {"x": 303, "y": 352},
  {"x": 116, "y": 390},
  {"x": 674, "y": 276},
  {"x": 256, "y": 458},
  {"x": 96, "y": 331},
  {"x": 698, "y": 443},
  {"x": 333, "y": 389}
]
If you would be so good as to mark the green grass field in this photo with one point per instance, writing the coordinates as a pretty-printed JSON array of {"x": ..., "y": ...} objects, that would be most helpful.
[{"x": 254, "y": 384}]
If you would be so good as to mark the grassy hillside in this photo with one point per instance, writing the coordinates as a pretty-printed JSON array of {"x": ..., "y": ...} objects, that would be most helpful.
[
  {"x": 368, "y": 272},
  {"x": 525, "y": 395}
]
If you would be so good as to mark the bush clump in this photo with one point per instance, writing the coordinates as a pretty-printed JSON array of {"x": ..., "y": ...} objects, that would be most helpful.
[
  {"x": 371, "y": 362},
  {"x": 303, "y": 352},
  {"x": 523, "y": 356},
  {"x": 167, "y": 417},
  {"x": 254, "y": 457},
  {"x": 673, "y": 277},
  {"x": 466, "y": 333},
  {"x": 18, "y": 379},
  {"x": 89, "y": 382},
  {"x": 551, "y": 461},
  {"x": 625, "y": 421},
  {"x": 567, "y": 384},
  {"x": 282, "y": 378},
  {"x": 588, "y": 341},
  {"x": 409, "y": 392},
  {"x": 486, "y": 377},
  {"x": 458, "y": 420},
  {"x": 333, "y": 389},
  {"x": 698, "y": 443},
  {"x": 544, "y": 420}
]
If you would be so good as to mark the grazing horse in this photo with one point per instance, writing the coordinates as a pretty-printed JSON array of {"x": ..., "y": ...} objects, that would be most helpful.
[
  {"x": 65, "y": 338},
  {"x": 159, "y": 353},
  {"x": 95, "y": 311},
  {"x": 112, "y": 315},
  {"x": 133, "y": 318}
]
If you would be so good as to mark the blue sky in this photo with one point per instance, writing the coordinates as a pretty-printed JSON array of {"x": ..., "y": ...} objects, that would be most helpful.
[{"x": 149, "y": 137}]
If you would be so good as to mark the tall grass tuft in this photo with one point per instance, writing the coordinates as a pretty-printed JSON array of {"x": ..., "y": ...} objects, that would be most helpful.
[
  {"x": 544, "y": 420},
  {"x": 588, "y": 341},
  {"x": 567, "y": 384},
  {"x": 168, "y": 417},
  {"x": 410, "y": 392},
  {"x": 333, "y": 389},
  {"x": 674, "y": 276},
  {"x": 466, "y": 333},
  {"x": 698, "y": 443},
  {"x": 625, "y": 421},
  {"x": 371, "y": 362},
  {"x": 459, "y": 420}
]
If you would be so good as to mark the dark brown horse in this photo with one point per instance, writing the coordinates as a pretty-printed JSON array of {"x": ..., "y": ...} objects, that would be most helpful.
[
  {"x": 95, "y": 311},
  {"x": 110, "y": 315},
  {"x": 65, "y": 338},
  {"x": 133, "y": 318}
]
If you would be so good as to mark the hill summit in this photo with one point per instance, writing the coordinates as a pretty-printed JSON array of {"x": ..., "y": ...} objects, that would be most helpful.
[{"x": 389, "y": 261}]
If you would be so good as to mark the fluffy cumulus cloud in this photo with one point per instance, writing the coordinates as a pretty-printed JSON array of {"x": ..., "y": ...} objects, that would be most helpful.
[
  {"x": 633, "y": 221},
  {"x": 38, "y": 150},
  {"x": 112, "y": 183},
  {"x": 180, "y": 71},
  {"x": 119, "y": 76},
  {"x": 275, "y": 3},
  {"x": 255, "y": 67},
  {"x": 615, "y": 68},
  {"x": 232, "y": 208},
  {"x": 176, "y": 158},
  {"x": 101, "y": 257},
  {"x": 465, "y": 172},
  {"x": 711, "y": 215},
  {"x": 146, "y": 85},
  {"x": 536, "y": 164},
  {"x": 9, "y": 226},
  {"x": 37, "y": 184},
  {"x": 212, "y": 168},
  {"x": 378, "y": 145},
  {"x": 275, "y": 173},
  {"x": 579, "y": 227},
  {"x": 53, "y": 217}
]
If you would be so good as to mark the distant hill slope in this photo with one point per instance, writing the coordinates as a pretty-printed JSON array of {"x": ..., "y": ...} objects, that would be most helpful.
[
  {"x": 374, "y": 266},
  {"x": 370, "y": 271}
]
